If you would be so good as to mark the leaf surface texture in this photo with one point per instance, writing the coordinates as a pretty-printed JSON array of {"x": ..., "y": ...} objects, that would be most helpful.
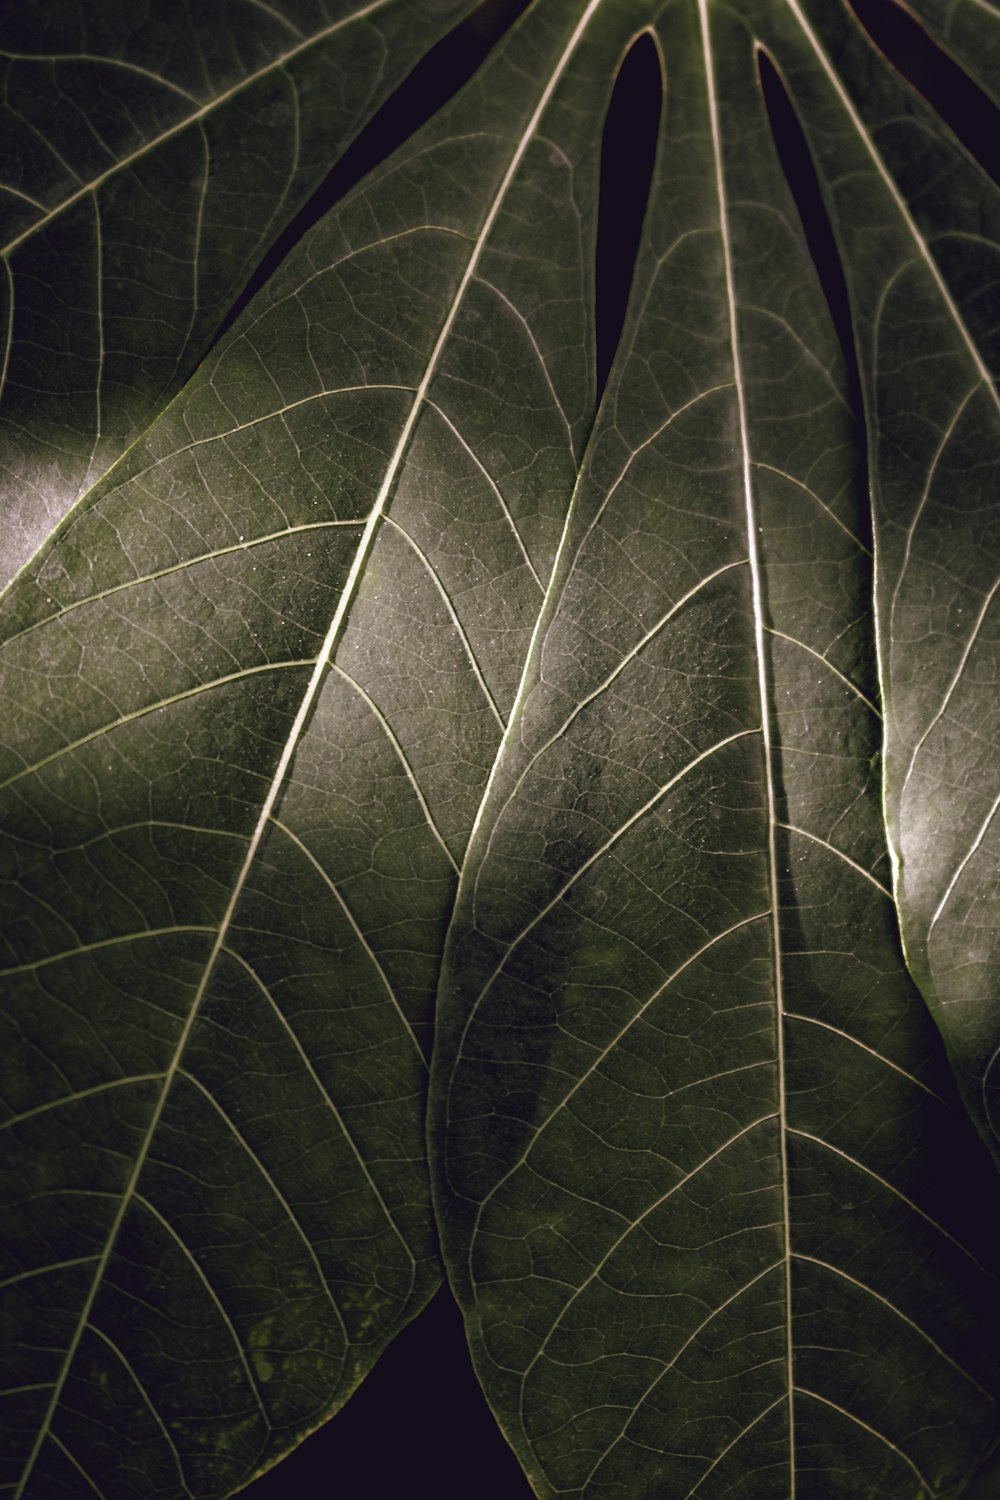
[
  {"x": 255, "y": 685},
  {"x": 146, "y": 164},
  {"x": 692, "y": 1109},
  {"x": 370, "y": 692}
]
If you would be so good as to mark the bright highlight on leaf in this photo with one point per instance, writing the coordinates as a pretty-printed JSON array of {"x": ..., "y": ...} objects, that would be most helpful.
[{"x": 451, "y": 818}]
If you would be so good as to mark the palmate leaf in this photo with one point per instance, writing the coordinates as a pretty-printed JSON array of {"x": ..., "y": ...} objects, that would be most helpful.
[
  {"x": 364, "y": 620},
  {"x": 695, "y": 1182}
]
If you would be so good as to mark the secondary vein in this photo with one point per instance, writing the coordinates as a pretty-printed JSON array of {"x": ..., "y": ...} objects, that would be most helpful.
[{"x": 323, "y": 662}]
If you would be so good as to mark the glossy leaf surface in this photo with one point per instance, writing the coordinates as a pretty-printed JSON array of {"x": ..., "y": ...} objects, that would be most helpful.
[
  {"x": 928, "y": 325},
  {"x": 254, "y": 688},
  {"x": 147, "y": 162},
  {"x": 694, "y": 1124},
  {"x": 377, "y": 651}
]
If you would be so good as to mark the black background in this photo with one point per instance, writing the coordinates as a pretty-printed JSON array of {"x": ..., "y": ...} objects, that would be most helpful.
[{"x": 417, "y": 1426}]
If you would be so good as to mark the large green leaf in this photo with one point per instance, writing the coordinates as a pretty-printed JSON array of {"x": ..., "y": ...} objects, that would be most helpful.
[
  {"x": 929, "y": 339},
  {"x": 368, "y": 652},
  {"x": 253, "y": 689},
  {"x": 699, "y": 1187},
  {"x": 146, "y": 164}
]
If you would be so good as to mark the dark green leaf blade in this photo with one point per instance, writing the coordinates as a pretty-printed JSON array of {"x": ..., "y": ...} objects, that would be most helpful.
[
  {"x": 145, "y": 168},
  {"x": 694, "y": 1122},
  {"x": 923, "y": 272},
  {"x": 255, "y": 687}
]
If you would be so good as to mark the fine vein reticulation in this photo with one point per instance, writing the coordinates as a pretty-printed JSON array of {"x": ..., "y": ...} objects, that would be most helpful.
[
  {"x": 671, "y": 1001},
  {"x": 400, "y": 661},
  {"x": 380, "y": 694}
]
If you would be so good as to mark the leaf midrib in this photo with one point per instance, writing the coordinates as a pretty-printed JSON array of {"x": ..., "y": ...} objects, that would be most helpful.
[
  {"x": 985, "y": 379},
  {"x": 757, "y": 591},
  {"x": 192, "y": 119},
  {"x": 323, "y": 663},
  {"x": 923, "y": 249}
]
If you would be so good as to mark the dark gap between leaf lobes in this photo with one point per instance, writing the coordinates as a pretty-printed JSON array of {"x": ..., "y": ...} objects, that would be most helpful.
[
  {"x": 435, "y": 80},
  {"x": 800, "y": 173},
  {"x": 913, "y": 52},
  {"x": 628, "y": 153}
]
